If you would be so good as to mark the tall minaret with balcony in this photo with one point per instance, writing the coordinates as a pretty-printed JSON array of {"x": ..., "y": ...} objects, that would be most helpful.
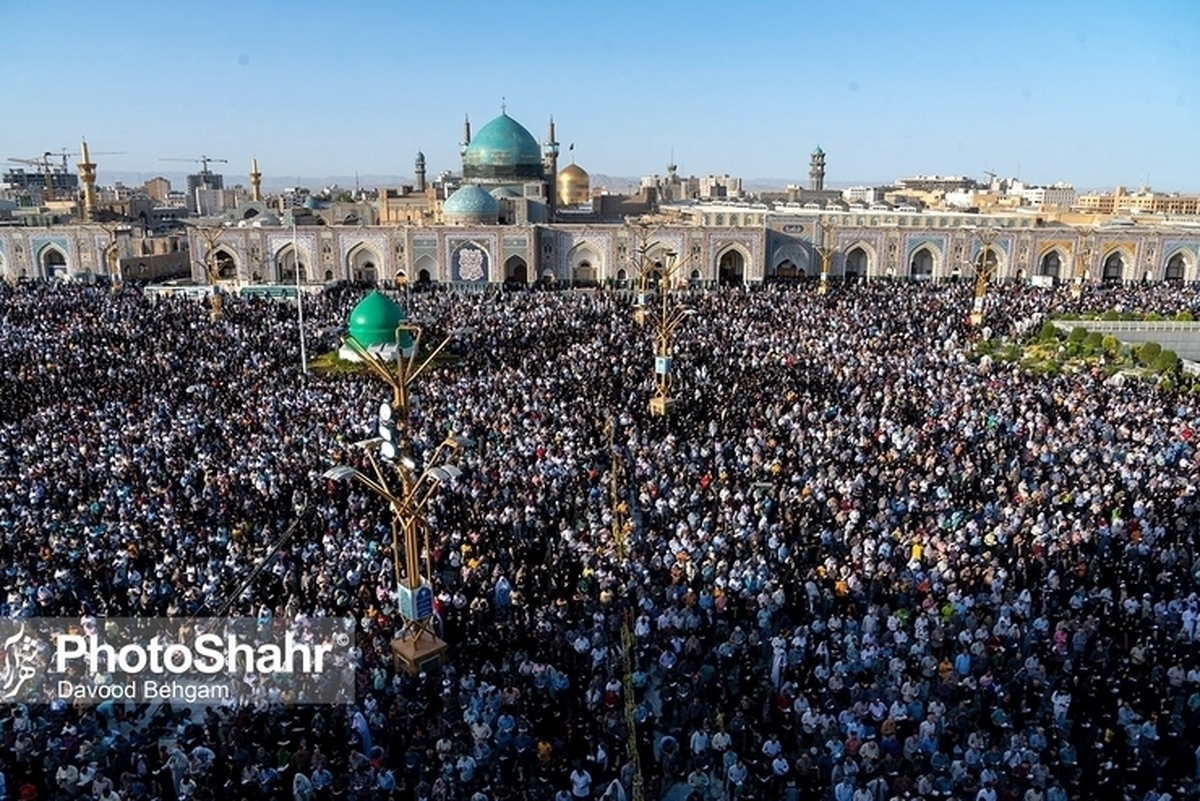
[
  {"x": 255, "y": 181},
  {"x": 816, "y": 170},
  {"x": 550, "y": 168}
]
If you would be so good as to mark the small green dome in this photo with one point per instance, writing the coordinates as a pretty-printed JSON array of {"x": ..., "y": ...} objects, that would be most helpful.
[{"x": 373, "y": 321}]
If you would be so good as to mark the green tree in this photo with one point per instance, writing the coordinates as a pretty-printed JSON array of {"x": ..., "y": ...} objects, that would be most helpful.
[
  {"x": 1147, "y": 353},
  {"x": 1166, "y": 363}
]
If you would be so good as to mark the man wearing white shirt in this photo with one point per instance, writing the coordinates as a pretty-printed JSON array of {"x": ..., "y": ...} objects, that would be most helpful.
[{"x": 581, "y": 782}]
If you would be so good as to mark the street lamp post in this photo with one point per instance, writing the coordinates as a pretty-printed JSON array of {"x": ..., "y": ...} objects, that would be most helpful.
[
  {"x": 212, "y": 273},
  {"x": 417, "y": 645},
  {"x": 670, "y": 316},
  {"x": 826, "y": 252},
  {"x": 644, "y": 268},
  {"x": 983, "y": 272},
  {"x": 112, "y": 256},
  {"x": 1082, "y": 255},
  {"x": 299, "y": 302}
]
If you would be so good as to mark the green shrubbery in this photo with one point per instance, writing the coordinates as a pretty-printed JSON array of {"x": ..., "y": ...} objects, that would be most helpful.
[
  {"x": 1054, "y": 351},
  {"x": 1147, "y": 353},
  {"x": 1166, "y": 363}
]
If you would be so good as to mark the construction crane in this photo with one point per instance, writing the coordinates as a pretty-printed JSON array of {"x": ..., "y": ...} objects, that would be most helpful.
[
  {"x": 203, "y": 161},
  {"x": 43, "y": 164},
  {"x": 64, "y": 154}
]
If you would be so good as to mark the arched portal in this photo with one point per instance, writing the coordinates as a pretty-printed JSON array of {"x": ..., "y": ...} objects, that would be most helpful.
[
  {"x": 992, "y": 267},
  {"x": 362, "y": 264},
  {"x": 516, "y": 271},
  {"x": 1051, "y": 265},
  {"x": 584, "y": 265},
  {"x": 401, "y": 279},
  {"x": 427, "y": 266},
  {"x": 788, "y": 270},
  {"x": 54, "y": 263},
  {"x": 920, "y": 267},
  {"x": 622, "y": 277},
  {"x": 1114, "y": 268},
  {"x": 286, "y": 264},
  {"x": 226, "y": 264},
  {"x": 654, "y": 277},
  {"x": 856, "y": 264},
  {"x": 424, "y": 278},
  {"x": 731, "y": 268},
  {"x": 583, "y": 273},
  {"x": 1175, "y": 268}
]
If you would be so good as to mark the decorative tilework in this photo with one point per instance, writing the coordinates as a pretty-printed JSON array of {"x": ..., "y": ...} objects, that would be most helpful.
[
  {"x": 571, "y": 243},
  {"x": 751, "y": 246},
  {"x": 1172, "y": 246},
  {"x": 376, "y": 242},
  {"x": 456, "y": 247},
  {"x": 305, "y": 243}
]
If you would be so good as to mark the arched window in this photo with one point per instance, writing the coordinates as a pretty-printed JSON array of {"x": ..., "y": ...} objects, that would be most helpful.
[
  {"x": 1114, "y": 268},
  {"x": 1175, "y": 268}
]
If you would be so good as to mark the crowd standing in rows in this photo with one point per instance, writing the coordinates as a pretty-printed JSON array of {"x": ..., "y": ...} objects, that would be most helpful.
[{"x": 860, "y": 565}]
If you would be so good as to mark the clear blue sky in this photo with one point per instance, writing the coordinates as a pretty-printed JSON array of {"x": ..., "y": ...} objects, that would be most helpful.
[{"x": 1096, "y": 93}]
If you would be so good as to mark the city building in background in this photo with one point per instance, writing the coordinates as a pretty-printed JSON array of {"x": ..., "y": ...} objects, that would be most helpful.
[{"x": 509, "y": 215}]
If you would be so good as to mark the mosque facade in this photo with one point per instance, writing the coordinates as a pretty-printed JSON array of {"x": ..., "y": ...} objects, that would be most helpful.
[{"x": 516, "y": 218}]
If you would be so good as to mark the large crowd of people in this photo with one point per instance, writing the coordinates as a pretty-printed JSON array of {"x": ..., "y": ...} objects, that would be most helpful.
[{"x": 855, "y": 563}]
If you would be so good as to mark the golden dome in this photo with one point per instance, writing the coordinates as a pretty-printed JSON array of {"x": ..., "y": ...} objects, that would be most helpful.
[{"x": 574, "y": 186}]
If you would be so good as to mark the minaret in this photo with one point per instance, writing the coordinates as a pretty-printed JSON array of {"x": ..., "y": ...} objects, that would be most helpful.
[
  {"x": 255, "y": 181},
  {"x": 87, "y": 175},
  {"x": 550, "y": 162},
  {"x": 466, "y": 140},
  {"x": 816, "y": 170},
  {"x": 419, "y": 168}
]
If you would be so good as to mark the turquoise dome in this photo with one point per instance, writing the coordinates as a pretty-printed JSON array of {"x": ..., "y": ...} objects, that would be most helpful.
[
  {"x": 471, "y": 201},
  {"x": 373, "y": 321},
  {"x": 502, "y": 149},
  {"x": 311, "y": 203}
]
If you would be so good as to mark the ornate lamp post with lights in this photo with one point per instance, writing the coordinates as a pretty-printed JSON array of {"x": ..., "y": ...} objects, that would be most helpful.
[
  {"x": 984, "y": 271},
  {"x": 826, "y": 252},
  {"x": 210, "y": 235},
  {"x": 643, "y": 267},
  {"x": 670, "y": 315},
  {"x": 408, "y": 491},
  {"x": 1083, "y": 255},
  {"x": 112, "y": 253}
]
